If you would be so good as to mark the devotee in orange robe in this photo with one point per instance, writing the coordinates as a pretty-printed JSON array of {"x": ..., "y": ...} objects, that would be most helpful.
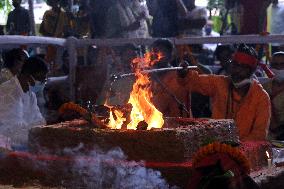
[{"x": 237, "y": 96}]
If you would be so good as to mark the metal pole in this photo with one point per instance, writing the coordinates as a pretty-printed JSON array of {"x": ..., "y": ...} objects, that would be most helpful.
[
  {"x": 72, "y": 52},
  {"x": 115, "y": 77},
  {"x": 32, "y": 17}
]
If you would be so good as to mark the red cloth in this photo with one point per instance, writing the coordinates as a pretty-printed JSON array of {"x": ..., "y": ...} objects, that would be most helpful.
[
  {"x": 266, "y": 69},
  {"x": 243, "y": 58}
]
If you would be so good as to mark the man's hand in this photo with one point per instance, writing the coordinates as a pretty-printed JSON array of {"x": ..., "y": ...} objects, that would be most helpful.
[
  {"x": 25, "y": 81},
  {"x": 183, "y": 72}
]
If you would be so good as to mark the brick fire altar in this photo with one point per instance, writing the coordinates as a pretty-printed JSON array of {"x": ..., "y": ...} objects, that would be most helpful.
[
  {"x": 168, "y": 149},
  {"x": 175, "y": 142}
]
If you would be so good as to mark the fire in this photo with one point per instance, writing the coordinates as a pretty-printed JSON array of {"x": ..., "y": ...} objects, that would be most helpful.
[
  {"x": 114, "y": 123},
  {"x": 140, "y": 98},
  {"x": 118, "y": 122}
]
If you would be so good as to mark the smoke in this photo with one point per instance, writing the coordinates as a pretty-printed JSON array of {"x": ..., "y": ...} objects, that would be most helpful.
[
  {"x": 112, "y": 170},
  {"x": 76, "y": 169}
]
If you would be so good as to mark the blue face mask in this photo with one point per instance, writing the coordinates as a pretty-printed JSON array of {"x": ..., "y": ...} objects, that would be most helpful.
[
  {"x": 208, "y": 30},
  {"x": 38, "y": 87}
]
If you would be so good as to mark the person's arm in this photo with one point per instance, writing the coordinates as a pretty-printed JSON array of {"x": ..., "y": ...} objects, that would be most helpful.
[
  {"x": 262, "y": 120},
  {"x": 28, "y": 23},
  {"x": 42, "y": 26},
  {"x": 8, "y": 24},
  {"x": 182, "y": 10},
  {"x": 204, "y": 69},
  {"x": 204, "y": 84}
]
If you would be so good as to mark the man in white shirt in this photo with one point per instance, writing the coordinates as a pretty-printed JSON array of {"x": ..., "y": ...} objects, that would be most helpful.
[
  {"x": 121, "y": 21},
  {"x": 209, "y": 32},
  {"x": 18, "y": 104}
]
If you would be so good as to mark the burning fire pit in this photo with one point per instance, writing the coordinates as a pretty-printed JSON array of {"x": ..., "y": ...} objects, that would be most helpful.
[
  {"x": 176, "y": 142},
  {"x": 138, "y": 128}
]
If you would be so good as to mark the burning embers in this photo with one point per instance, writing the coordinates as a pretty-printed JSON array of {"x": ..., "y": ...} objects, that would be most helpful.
[{"x": 142, "y": 110}]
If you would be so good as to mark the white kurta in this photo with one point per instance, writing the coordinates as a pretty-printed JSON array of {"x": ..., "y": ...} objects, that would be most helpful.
[{"x": 18, "y": 112}]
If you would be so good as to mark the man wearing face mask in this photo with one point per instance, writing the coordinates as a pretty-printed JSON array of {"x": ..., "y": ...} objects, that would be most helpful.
[
  {"x": 275, "y": 88},
  {"x": 18, "y": 108},
  {"x": 237, "y": 96},
  {"x": 209, "y": 32},
  {"x": 36, "y": 69}
]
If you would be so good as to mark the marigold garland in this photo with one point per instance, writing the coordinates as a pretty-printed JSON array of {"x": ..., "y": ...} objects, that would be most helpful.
[
  {"x": 71, "y": 106},
  {"x": 218, "y": 147}
]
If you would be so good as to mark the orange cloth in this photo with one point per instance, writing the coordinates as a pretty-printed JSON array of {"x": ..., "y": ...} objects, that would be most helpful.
[
  {"x": 251, "y": 113},
  {"x": 51, "y": 53},
  {"x": 54, "y": 23},
  {"x": 166, "y": 103}
]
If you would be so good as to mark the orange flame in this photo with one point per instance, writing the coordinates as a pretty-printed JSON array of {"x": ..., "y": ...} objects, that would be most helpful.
[
  {"x": 118, "y": 122},
  {"x": 114, "y": 123},
  {"x": 140, "y": 98}
]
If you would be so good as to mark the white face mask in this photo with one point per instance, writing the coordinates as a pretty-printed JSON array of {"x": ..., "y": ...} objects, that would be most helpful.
[
  {"x": 38, "y": 87},
  {"x": 242, "y": 83},
  {"x": 279, "y": 75}
]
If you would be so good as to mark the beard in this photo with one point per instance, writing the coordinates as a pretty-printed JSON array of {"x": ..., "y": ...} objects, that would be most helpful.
[{"x": 242, "y": 83}]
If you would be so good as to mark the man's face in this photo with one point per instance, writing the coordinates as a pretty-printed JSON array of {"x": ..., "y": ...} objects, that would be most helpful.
[
  {"x": 16, "y": 3},
  {"x": 277, "y": 62},
  {"x": 208, "y": 29},
  {"x": 40, "y": 76},
  {"x": 225, "y": 56},
  {"x": 166, "y": 56},
  {"x": 240, "y": 72},
  {"x": 266, "y": 3},
  {"x": 19, "y": 63},
  {"x": 51, "y": 3}
]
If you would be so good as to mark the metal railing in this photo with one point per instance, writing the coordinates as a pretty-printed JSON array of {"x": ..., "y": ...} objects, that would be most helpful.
[{"x": 72, "y": 44}]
